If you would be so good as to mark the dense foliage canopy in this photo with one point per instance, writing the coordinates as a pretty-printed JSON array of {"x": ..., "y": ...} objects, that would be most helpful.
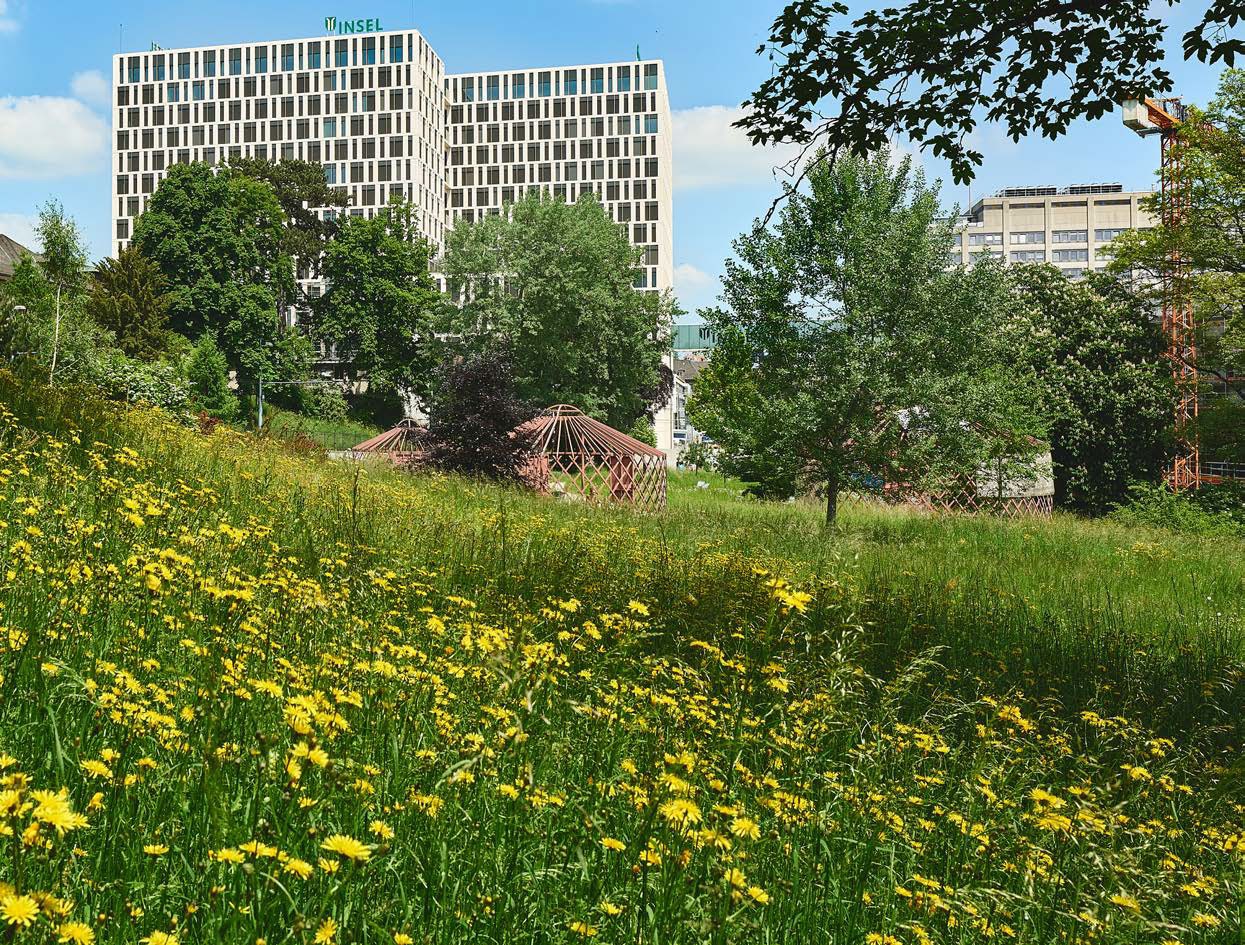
[{"x": 554, "y": 282}]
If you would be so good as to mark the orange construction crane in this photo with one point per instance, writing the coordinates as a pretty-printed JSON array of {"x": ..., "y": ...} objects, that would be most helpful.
[{"x": 1163, "y": 116}]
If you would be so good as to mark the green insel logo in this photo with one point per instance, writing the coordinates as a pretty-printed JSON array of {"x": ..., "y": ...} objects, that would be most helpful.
[{"x": 333, "y": 25}]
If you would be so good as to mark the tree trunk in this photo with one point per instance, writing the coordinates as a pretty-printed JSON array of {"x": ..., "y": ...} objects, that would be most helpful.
[
  {"x": 832, "y": 501},
  {"x": 56, "y": 334}
]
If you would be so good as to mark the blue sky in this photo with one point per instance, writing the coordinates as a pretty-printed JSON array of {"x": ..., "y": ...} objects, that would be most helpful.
[{"x": 55, "y": 61}]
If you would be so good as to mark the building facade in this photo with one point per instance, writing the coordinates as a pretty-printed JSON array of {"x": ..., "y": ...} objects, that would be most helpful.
[
  {"x": 379, "y": 112},
  {"x": 1067, "y": 227}
]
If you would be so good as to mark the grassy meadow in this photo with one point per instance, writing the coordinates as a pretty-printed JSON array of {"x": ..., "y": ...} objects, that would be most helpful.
[{"x": 248, "y": 694}]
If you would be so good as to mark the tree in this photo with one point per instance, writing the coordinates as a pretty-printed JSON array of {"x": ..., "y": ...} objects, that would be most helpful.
[
  {"x": 207, "y": 371},
  {"x": 849, "y": 354},
  {"x": 217, "y": 237},
  {"x": 1207, "y": 235},
  {"x": 1106, "y": 386},
  {"x": 931, "y": 68},
  {"x": 301, "y": 189},
  {"x": 380, "y": 305},
  {"x": 555, "y": 283},
  {"x": 128, "y": 297},
  {"x": 475, "y": 418},
  {"x": 63, "y": 263}
]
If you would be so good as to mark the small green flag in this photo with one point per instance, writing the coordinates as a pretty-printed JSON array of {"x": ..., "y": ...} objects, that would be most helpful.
[{"x": 637, "y": 52}]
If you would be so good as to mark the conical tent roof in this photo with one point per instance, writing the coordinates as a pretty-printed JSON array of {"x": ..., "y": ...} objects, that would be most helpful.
[
  {"x": 407, "y": 437},
  {"x": 566, "y": 429},
  {"x": 577, "y": 456}
]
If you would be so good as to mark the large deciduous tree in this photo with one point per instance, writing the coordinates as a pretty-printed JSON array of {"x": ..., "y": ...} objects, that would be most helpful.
[
  {"x": 381, "y": 303},
  {"x": 555, "y": 283},
  {"x": 849, "y": 354},
  {"x": 129, "y": 298},
  {"x": 218, "y": 237},
  {"x": 301, "y": 188},
  {"x": 1106, "y": 385},
  {"x": 932, "y": 69}
]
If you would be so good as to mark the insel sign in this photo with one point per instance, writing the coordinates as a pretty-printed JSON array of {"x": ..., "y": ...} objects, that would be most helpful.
[{"x": 342, "y": 27}]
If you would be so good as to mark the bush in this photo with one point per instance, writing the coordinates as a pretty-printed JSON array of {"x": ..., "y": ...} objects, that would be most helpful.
[
  {"x": 1213, "y": 511},
  {"x": 208, "y": 374},
  {"x": 135, "y": 382},
  {"x": 325, "y": 402}
]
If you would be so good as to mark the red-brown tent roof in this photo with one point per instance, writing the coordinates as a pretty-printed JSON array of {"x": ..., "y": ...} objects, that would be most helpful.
[
  {"x": 407, "y": 437},
  {"x": 566, "y": 429}
]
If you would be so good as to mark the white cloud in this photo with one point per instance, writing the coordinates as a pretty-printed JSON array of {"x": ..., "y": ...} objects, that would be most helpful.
[
  {"x": 710, "y": 152},
  {"x": 44, "y": 136},
  {"x": 18, "y": 227},
  {"x": 7, "y": 22},
  {"x": 695, "y": 288},
  {"x": 92, "y": 87}
]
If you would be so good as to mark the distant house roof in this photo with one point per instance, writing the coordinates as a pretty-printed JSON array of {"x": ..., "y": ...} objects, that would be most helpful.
[{"x": 11, "y": 251}]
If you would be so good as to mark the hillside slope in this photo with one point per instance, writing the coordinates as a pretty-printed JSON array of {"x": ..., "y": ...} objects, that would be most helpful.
[{"x": 251, "y": 695}]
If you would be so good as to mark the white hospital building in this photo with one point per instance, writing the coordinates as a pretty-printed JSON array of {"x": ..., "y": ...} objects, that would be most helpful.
[{"x": 378, "y": 110}]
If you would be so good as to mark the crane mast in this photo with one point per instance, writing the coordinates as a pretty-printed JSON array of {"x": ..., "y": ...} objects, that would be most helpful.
[{"x": 1163, "y": 117}]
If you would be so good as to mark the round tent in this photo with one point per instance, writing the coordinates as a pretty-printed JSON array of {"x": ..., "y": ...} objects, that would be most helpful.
[
  {"x": 403, "y": 445},
  {"x": 576, "y": 455}
]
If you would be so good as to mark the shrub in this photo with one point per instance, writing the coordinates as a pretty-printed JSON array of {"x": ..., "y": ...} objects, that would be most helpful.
[{"x": 1214, "y": 511}]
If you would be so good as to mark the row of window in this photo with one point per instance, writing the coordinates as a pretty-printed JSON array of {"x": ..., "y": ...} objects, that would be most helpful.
[
  {"x": 305, "y": 83},
  {"x": 596, "y": 80},
  {"x": 284, "y": 57},
  {"x": 556, "y": 108},
  {"x": 1057, "y": 255},
  {"x": 1104, "y": 235}
]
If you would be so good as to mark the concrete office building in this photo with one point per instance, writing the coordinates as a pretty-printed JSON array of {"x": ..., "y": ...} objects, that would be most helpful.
[
  {"x": 1066, "y": 227},
  {"x": 381, "y": 115}
]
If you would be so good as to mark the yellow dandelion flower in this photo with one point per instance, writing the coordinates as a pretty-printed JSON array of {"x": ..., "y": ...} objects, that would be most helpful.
[
  {"x": 584, "y": 929},
  {"x": 300, "y": 868},
  {"x": 19, "y": 910},
  {"x": 745, "y": 828},
  {"x": 160, "y": 938},
  {"x": 758, "y": 894},
  {"x": 1125, "y": 901},
  {"x": 75, "y": 933},
  {"x": 348, "y": 847},
  {"x": 381, "y": 829},
  {"x": 611, "y": 844},
  {"x": 326, "y": 933},
  {"x": 735, "y": 877},
  {"x": 155, "y": 849},
  {"x": 610, "y": 909},
  {"x": 1204, "y": 920},
  {"x": 401, "y": 938}
]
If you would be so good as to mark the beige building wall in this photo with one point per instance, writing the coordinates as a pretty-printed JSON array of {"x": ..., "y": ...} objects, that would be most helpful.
[{"x": 1068, "y": 228}]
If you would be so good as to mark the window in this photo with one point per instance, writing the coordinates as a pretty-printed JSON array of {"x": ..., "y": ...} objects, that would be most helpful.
[
  {"x": 1031, "y": 236},
  {"x": 395, "y": 49},
  {"x": 1106, "y": 236},
  {"x": 492, "y": 88},
  {"x": 650, "y": 124},
  {"x": 209, "y": 64},
  {"x": 330, "y": 174},
  {"x": 261, "y": 59},
  {"x": 985, "y": 239},
  {"x": 468, "y": 87},
  {"x": 1028, "y": 255},
  {"x": 171, "y": 92},
  {"x": 330, "y": 128},
  {"x": 235, "y": 62},
  {"x": 313, "y": 56},
  {"x": 157, "y": 69},
  {"x": 597, "y": 82},
  {"x": 570, "y": 81},
  {"x": 183, "y": 65},
  {"x": 1069, "y": 236},
  {"x": 341, "y": 51},
  {"x": 544, "y": 83},
  {"x": 650, "y": 77},
  {"x": 516, "y": 85},
  {"x": 287, "y": 57},
  {"x": 624, "y": 79},
  {"x": 369, "y": 51},
  {"x": 957, "y": 240},
  {"x": 1070, "y": 255},
  {"x": 136, "y": 72}
]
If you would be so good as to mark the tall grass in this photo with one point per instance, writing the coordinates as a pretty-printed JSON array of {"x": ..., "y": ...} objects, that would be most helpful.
[{"x": 306, "y": 701}]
